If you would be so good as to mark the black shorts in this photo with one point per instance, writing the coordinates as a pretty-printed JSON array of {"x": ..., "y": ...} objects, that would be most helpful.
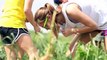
[{"x": 11, "y": 35}]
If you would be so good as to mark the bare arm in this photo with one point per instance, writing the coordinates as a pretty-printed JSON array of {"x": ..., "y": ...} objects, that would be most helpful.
[
  {"x": 29, "y": 14},
  {"x": 75, "y": 13}
]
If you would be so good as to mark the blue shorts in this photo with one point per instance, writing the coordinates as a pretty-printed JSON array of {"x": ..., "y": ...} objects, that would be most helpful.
[{"x": 11, "y": 35}]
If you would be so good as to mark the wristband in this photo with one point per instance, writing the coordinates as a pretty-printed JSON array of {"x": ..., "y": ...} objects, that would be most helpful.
[{"x": 74, "y": 30}]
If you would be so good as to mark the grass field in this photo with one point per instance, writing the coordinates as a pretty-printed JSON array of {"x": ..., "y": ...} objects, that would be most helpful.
[{"x": 41, "y": 41}]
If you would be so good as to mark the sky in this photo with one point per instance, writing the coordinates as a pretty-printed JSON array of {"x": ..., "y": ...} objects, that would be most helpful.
[{"x": 36, "y": 5}]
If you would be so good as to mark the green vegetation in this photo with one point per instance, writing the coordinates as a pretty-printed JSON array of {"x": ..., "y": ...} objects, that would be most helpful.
[{"x": 41, "y": 41}]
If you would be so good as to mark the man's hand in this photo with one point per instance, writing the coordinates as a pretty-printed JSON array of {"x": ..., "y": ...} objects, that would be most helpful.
[
  {"x": 37, "y": 28},
  {"x": 66, "y": 32}
]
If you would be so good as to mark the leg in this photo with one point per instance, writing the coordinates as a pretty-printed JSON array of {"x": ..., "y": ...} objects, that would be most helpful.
[
  {"x": 105, "y": 43},
  {"x": 85, "y": 38},
  {"x": 73, "y": 45},
  {"x": 20, "y": 54},
  {"x": 105, "y": 39},
  {"x": 11, "y": 55},
  {"x": 72, "y": 51},
  {"x": 26, "y": 44}
]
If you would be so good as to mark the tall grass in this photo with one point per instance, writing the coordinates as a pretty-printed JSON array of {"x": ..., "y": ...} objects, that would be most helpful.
[{"x": 84, "y": 52}]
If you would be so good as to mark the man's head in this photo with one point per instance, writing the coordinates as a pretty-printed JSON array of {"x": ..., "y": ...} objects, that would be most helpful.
[
  {"x": 57, "y": 2},
  {"x": 60, "y": 1}
]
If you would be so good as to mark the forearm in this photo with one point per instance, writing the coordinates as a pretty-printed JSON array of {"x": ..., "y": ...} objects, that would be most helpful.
[
  {"x": 29, "y": 16},
  {"x": 28, "y": 12},
  {"x": 82, "y": 30}
]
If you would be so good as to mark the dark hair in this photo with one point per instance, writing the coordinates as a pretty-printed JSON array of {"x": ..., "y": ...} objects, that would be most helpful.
[{"x": 57, "y": 2}]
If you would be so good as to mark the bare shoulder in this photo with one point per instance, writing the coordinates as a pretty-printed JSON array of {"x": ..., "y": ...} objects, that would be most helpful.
[{"x": 72, "y": 8}]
